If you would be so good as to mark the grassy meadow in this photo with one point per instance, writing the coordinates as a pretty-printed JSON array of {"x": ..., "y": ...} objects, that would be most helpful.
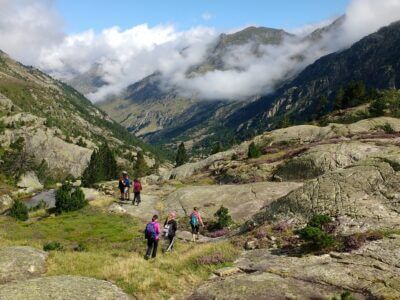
[{"x": 111, "y": 247}]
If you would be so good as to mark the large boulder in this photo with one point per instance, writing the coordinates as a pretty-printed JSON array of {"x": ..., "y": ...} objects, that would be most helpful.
[
  {"x": 30, "y": 182},
  {"x": 324, "y": 158},
  {"x": 5, "y": 203},
  {"x": 62, "y": 287},
  {"x": 189, "y": 169},
  {"x": 367, "y": 194},
  {"x": 372, "y": 272},
  {"x": 17, "y": 263},
  {"x": 243, "y": 201}
]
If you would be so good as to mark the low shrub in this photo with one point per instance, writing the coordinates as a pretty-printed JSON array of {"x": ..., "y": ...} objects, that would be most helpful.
[
  {"x": 69, "y": 198},
  {"x": 316, "y": 238},
  {"x": 41, "y": 205},
  {"x": 81, "y": 247},
  {"x": 212, "y": 259},
  {"x": 218, "y": 233},
  {"x": 254, "y": 151},
  {"x": 353, "y": 242},
  {"x": 319, "y": 221},
  {"x": 53, "y": 246},
  {"x": 282, "y": 227},
  {"x": 224, "y": 219},
  {"x": 19, "y": 211}
]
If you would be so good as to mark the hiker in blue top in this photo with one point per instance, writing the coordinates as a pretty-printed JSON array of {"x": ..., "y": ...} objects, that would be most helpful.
[{"x": 127, "y": 185}]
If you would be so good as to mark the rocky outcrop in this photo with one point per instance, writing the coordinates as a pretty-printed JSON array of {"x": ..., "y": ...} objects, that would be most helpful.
[
  {"x": 62, "y": 287},
  {"x": 304, "y": 134},
  {"x": 18, "y": 263},
  {"x": 44, "y": 143},
  {"x": 372, "y": 272},
  {"x": 367, "y": 194},
  {"x": 324, "y": 158},
  {"x": 242, "y": 200}
]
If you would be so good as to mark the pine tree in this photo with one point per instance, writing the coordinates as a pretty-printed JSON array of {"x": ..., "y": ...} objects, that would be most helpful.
[
  {"x": 102, "y": 166},
  {"x": 338, "y": 104},
  {"x": 377, "y": 108},
  {"x": 181, "y": 155},
  {"x": 140, "y": 168},
  {"x": 254, "y": 151},
  {"x": 217, "y": 148}
]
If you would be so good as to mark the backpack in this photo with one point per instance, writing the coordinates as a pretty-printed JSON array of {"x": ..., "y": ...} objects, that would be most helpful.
[
  {"x": 194, "y": 221},
  {"x": 150, "y": 231}
]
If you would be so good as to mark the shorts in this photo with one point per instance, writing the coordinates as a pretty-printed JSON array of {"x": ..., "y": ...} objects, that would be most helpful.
[
  {"x": 195, "y": 229},
  {"x": 126, "y": 190}
]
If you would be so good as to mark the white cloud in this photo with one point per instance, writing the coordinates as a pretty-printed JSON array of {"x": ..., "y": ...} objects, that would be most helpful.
[
  {"x": 27, "y": 27},
  {"x": 31, "y": 31},
  {"x": 206, "y": 16}
]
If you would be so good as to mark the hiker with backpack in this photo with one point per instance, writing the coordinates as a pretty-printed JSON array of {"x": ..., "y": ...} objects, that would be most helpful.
[
  {"x": 121, "y": 186},
  {"x": 127, "y": 185},
  {"x": 170, "y": 228},
  {"x": 152, "y": 235},
  {"x": 137, "y": 188},
  {"x": 195, "y": 222}
]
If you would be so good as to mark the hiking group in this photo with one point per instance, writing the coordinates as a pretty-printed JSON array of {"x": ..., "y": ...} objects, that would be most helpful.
[
  {"x": 153, "y": 231},
  {"x": 124, "y": 185}
]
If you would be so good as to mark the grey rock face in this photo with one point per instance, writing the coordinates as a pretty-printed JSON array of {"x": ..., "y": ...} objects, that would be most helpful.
[
  {"x": 62, "y": 288},
  {"x": 324, "y": 158},
  {"x": 17, "y": 263},
  {"x": 243, "y": 201},
  {"x": 367, "y": 193}
]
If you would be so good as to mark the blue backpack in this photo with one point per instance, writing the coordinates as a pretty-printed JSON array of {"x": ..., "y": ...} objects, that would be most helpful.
[
  {"x": 193, "y": 220},
  {"x": 150, "y": 231}
]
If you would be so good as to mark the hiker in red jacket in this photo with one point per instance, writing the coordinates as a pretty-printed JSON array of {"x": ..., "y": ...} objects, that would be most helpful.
[{"x": 137, "y": 188}]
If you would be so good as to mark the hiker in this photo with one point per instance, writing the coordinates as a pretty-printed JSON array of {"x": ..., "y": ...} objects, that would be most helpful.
[
  {"x": 195, "y": 222},
  {"x": 152, "y": 234},
  {"x": 127, "y": 185},
  {"x": 137, "y": 187},
  {"x": 170, "y": 227},
  {"x": 121, "y": 186}
]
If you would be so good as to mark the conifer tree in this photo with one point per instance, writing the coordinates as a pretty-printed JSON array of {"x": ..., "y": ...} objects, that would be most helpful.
[
  {"x": 254, "y": 151},
  {"x": 181, "y": 155},
  {"x": 102, "y": 166},
  {"x": 140, "y": 168},
  {"x": 217, "y": 148}
]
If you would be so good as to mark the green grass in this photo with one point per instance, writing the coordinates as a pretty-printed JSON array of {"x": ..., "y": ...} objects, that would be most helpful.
[{"x": 114, "y": 249}]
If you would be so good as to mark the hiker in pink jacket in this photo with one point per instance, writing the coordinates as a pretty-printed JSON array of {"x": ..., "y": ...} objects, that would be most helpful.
[
  {"x": 152, "y": 234},
  {"x": 195, "y": 222}
]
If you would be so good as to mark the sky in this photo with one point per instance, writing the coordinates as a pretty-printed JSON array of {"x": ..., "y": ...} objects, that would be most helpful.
[
  {"x": 220, "y": 14},
  {"x": 124, "y": 41}
]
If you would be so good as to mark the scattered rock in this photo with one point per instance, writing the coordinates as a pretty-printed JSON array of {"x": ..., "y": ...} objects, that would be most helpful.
[
  {"x": 90, "y": 194},
  {"x": 30, "y": 182},
  {"x": 5, "y": 203},
  {"x": 250, "y": 245},
  {"x": 62, "y": 287},
  {"x": 17, "y": 263},
  {"x": 228, "y": 271},
  {"x": 117, "y": 209}
]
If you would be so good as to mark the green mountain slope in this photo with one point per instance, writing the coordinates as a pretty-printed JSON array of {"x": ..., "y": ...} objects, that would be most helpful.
[
  {"x": 58, "y": 124},
  {"x": 374, "y": 60}
]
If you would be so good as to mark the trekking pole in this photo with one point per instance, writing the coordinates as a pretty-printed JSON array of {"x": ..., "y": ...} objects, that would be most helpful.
[{"x": 170, "y": 245}]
